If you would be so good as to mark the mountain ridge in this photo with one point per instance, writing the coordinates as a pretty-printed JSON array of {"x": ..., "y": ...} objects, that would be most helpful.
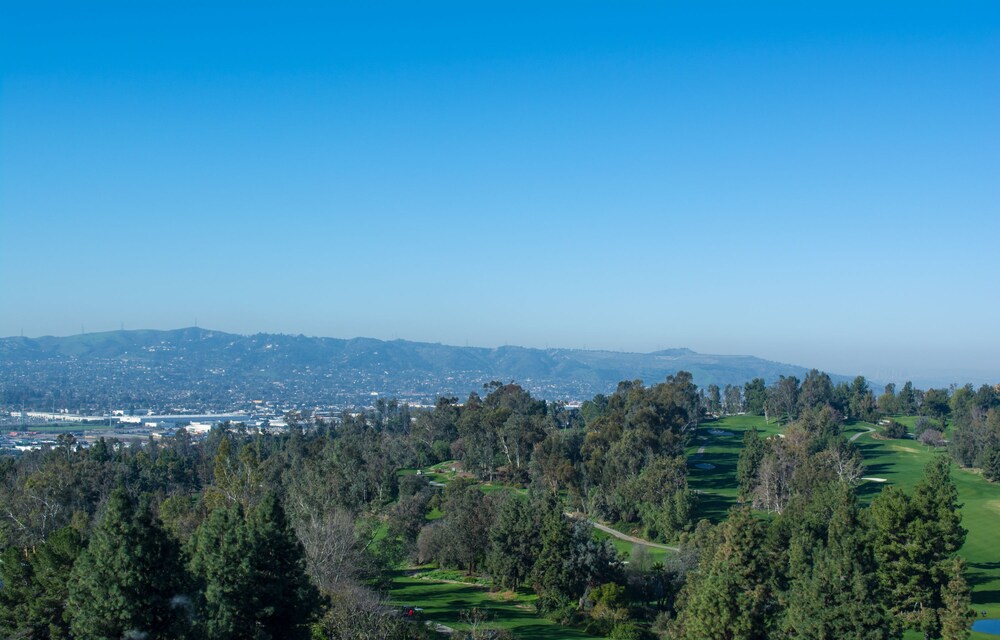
[{"x": 219, "y": 367}]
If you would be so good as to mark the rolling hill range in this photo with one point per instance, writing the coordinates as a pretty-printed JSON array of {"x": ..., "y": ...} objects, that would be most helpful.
[{"x": 213, "y": 369}]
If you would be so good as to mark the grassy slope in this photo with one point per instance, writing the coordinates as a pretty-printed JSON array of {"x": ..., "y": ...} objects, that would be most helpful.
[
  {"x": 901, "y": 462},
  {"x": 444, "y": 602},
  {"x": 627, "y": 549}
]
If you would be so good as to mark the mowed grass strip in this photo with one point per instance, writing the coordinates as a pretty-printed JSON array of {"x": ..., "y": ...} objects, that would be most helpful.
[{"x": 717, "y": 487}]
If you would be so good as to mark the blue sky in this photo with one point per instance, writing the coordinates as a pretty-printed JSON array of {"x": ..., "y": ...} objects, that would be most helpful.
[{"x": 816, "y": 185}]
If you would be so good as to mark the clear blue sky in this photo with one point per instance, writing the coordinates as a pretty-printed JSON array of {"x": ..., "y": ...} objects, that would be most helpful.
[{"x": 811, "y": 183}]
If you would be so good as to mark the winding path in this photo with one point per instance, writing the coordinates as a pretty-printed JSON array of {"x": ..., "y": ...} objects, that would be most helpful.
[
  {"x": 861, "y": 433},
  {"x": 622, "y": 536}
]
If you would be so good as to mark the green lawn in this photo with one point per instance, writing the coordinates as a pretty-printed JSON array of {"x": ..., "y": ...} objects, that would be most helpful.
[
  {"x": 442, "y": 473},
  {"x": 627, "y": 549},
  {"x": 444, "y": 602},
  {"x": 716, "y": 487}
]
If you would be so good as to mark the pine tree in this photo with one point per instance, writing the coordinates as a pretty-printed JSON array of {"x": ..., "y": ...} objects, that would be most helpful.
[
  {"x": 251, "y": 576},
  {"x": 514, "y": 544},
  {"x": 901, "y": 569},
  {"x": 915, "y": 541},
  {"x": 956, "y": 614},
  {"x": 18, "y": 590},
  {"x": 52, "y": 565},
  {"x": 991, "y": 463},
  {"x": 553, "y": 575},
  {"x": 290, "y": 600},
  {"x": 220, "y": 563},
  {"x": 835, "y": 592},
  {"x": 129, "y": 580},
  {"x": 751, "y": 456},
  {"x": 731, "y": 594}
]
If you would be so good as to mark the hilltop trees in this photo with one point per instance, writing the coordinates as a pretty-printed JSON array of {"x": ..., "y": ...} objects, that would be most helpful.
[
  {"x": 816, "y": 391},
  {"x": 755, "y": 396},
  {"x": 935, "y": 405},
  {"x": 976, "y": 427}
]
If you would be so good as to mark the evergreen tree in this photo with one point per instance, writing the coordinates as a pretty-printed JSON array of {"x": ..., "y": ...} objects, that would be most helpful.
[
  {"x": 755, "y": 396},
  {"x": 748, "y": 465},
  {"x": 553, "y": 575},
  {"x": 251, "y": 576},
  {"x": 221, "y": 565},
  {"x": 835, "y": 592},
  {"x": 731, "y": 594},
  {"x": 956, "y": 613},
  {"x": 514, "y": 545},
  {"x": 17, "y": 590},
  {"x": 901, "y": 569},
  {"x": 991, "y": 463},
  {"x": 129, "y": 581},
  {"x": 52, "y": 565},
  {"x": 290, "y": 601},
  {"x": 906, "y": 401},
  {"x": 935, "y": 499},
  {"x": 915, "y": 541}
]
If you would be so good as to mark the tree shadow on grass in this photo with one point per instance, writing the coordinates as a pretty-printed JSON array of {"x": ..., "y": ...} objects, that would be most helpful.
[
  {"x": 874, "y": 469},
  {"x": 868, "y": 490},
  {"x": 721, "y": 477},
  {"x": 546, "y": 632},
  {"x": 981, "y": 573},
  {"x": 987, "y": 596},
  {"x": 713, "y": 506}
]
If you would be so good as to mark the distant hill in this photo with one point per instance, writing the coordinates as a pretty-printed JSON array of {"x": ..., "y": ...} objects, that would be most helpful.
[{"x": 213, "y": 369}]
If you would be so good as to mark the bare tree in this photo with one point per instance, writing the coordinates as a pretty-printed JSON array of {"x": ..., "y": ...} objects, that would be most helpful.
[{"x": 357, "y": 613}]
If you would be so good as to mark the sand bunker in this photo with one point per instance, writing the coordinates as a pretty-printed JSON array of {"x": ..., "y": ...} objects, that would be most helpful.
[{"x": 875, "y": 479}]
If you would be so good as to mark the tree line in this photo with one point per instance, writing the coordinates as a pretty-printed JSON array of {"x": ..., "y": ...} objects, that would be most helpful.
[{"x": 247, "y": 534}]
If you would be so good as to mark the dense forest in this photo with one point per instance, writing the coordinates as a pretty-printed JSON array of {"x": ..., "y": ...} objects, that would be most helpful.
[{"x": 296, "y": 535}]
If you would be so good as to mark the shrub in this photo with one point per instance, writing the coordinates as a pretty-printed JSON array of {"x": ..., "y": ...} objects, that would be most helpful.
[
  {"x": 931, "y": 437},
  {"x": 626, "y": 631},
  {"x": 895, "y": 430}
]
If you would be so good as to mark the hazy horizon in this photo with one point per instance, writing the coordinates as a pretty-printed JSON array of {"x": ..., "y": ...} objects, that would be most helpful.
[
  {"x": 814, "y": 185},
  {"x": 941, "y": 378}
]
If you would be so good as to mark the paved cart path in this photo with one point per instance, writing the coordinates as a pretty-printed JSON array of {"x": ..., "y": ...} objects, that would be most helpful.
[
  {"x": 624, "y": 536},
  {"x": 858, "y": 435}
]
